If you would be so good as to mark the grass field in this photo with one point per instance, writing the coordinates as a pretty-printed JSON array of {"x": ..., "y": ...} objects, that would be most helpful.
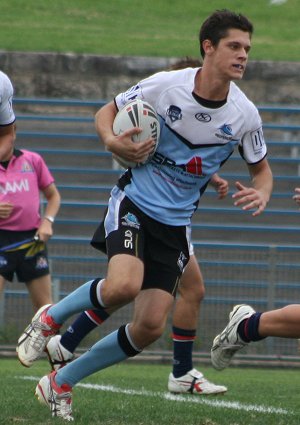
[
  {"x": 135, "y": 394},
  {"x": 132, "y": 393},
  {"x": 134, "y": 27}
]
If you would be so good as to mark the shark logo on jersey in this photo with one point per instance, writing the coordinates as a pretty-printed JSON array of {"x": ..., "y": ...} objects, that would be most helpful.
[
  {"x": 226, "y": 131},
  {"x": 226, "y": 128},
  {"x": 174, "y": 113},
  {"x": 130, "y": 220}
]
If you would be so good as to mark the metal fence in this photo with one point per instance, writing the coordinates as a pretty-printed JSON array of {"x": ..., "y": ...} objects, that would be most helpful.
[{"x": 242, "y": 260}]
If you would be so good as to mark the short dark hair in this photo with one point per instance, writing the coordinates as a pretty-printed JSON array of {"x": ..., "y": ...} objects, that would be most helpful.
[{"x": 216, "y": 26}]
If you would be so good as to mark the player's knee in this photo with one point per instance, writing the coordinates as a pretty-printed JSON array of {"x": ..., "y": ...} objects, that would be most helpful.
[
  {"x": 122, "y": 291},
  {"x": 193, "y": 293},
  {"x": 201, "y": 293},
  {"x": 151, "y": 329}
]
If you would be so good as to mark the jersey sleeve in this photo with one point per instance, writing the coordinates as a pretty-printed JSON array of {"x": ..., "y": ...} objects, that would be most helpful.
[
  {"x": 147, "y": 89},
  {"x": 252, "y": 147},
  {"x": 44, "y": 175},
  {"x": 7, "y": 115}
]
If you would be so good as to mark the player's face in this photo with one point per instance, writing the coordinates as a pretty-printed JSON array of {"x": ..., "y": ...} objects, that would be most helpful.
[
  {"x": 230, "y": 56},
  {"x": 7, "y": 139}
]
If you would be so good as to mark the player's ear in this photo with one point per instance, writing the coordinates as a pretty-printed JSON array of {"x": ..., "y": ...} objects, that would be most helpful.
[
  {"x": 7, "y": 129},
  {"x": 207, "y": 47}
]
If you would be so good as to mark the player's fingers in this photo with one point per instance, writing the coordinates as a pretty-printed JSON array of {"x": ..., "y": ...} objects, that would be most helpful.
[
  {"x": 243, "y": 199},
  {"x": 239, "y": 185},
  {"x": 131, "y": 132}
]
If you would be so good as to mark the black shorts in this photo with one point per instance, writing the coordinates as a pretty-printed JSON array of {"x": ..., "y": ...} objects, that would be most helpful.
[
  {"x": 163, "y": 248},
  {"x": 22, "y": 256}
]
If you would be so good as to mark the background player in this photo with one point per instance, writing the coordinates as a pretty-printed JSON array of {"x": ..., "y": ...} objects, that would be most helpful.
[{"x": 23, "y": 233}]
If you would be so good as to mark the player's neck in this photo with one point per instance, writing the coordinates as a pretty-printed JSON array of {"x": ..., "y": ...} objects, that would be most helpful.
[{"x": 209, "y": 87}]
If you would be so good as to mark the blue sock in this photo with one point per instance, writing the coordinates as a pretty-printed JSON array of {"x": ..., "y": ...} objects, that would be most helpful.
[
  {"x": 77, "y": 301},
  {"x": 112, "y": 349},
  {"x": 183, "y": 341},
  {"x": 83, "y": 325}
]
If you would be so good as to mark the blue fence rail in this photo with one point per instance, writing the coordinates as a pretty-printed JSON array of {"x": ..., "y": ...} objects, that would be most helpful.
[{"x": 265, "y": 274}]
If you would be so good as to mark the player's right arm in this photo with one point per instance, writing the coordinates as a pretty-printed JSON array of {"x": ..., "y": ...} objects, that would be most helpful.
[
  {"x": 5, "y": 209},
  {"x": 220, "y": 185},
  {"x": 121, "y": 145}
]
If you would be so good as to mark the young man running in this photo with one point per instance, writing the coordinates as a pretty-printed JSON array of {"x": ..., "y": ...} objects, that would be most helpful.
[
  {"x": 147, "y": 267},
  {"x": 184, "y": 378}
]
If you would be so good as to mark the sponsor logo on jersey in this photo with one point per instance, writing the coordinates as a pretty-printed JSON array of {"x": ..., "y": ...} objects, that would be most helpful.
[
  {"x": 15, "y": 186},
  {"x": 130, "y": 220},
  {"x": 27, "y": 168},
  {"x": 174, "y": 113},
  {"x": 202, "y": 117},
  {"x": 194, "y": 166},
  {"x": 131, "y": 94},
  {"x": 257, "y": 139},
  {"x": 226, "y": 133}
]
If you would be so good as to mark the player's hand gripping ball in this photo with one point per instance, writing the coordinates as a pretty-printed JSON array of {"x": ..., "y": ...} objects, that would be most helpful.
[{"x": 137, "y": 113}]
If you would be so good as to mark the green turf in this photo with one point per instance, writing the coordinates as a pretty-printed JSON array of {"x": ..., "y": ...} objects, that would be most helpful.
[
  {"x": 142, "y": 28},
  {"x": 250, "y": 390}
]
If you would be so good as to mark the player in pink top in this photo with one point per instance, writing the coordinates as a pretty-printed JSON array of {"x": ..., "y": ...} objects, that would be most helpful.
[{"x": 23, "y": 233}]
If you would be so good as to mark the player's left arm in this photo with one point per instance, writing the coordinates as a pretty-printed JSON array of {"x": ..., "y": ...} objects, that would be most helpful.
[
  {"x": 52, "y": 195},
  {"x": 296, "y": 197},
  {"x": 257, "y": 196}
]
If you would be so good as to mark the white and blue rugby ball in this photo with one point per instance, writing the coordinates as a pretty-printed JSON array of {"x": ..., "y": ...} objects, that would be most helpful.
[{"x": 137, "y": 113}]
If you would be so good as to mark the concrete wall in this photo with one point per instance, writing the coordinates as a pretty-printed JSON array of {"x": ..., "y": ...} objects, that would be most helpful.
[{"x": 101, "y": 77}]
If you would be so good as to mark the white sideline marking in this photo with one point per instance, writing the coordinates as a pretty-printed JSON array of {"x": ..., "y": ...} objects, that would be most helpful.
[
  {"x": 235, "y": 405},
  {"x": 277, "y": 1}
]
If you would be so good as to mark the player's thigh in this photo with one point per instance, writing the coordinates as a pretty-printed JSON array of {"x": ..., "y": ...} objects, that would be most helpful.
[
  {"x": 124, "y": 278},
  {"x": 191, "y": 282},
  {"x": 40, "y": 291},
  {"x": 8, "y": 265},
  {"x": 2, "y": 284}
]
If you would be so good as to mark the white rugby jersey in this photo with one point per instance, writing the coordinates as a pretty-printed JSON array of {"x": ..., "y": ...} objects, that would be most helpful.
[
  {"x": 194, "y": 142},
  {"x": 7, "y": 115}
]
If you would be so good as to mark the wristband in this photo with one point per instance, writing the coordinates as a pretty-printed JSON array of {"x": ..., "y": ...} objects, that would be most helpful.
[{"x": 49, "y": 218}]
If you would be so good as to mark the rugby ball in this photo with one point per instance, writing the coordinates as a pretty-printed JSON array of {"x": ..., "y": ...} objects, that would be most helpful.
[{"x": 137, "y": 113}]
